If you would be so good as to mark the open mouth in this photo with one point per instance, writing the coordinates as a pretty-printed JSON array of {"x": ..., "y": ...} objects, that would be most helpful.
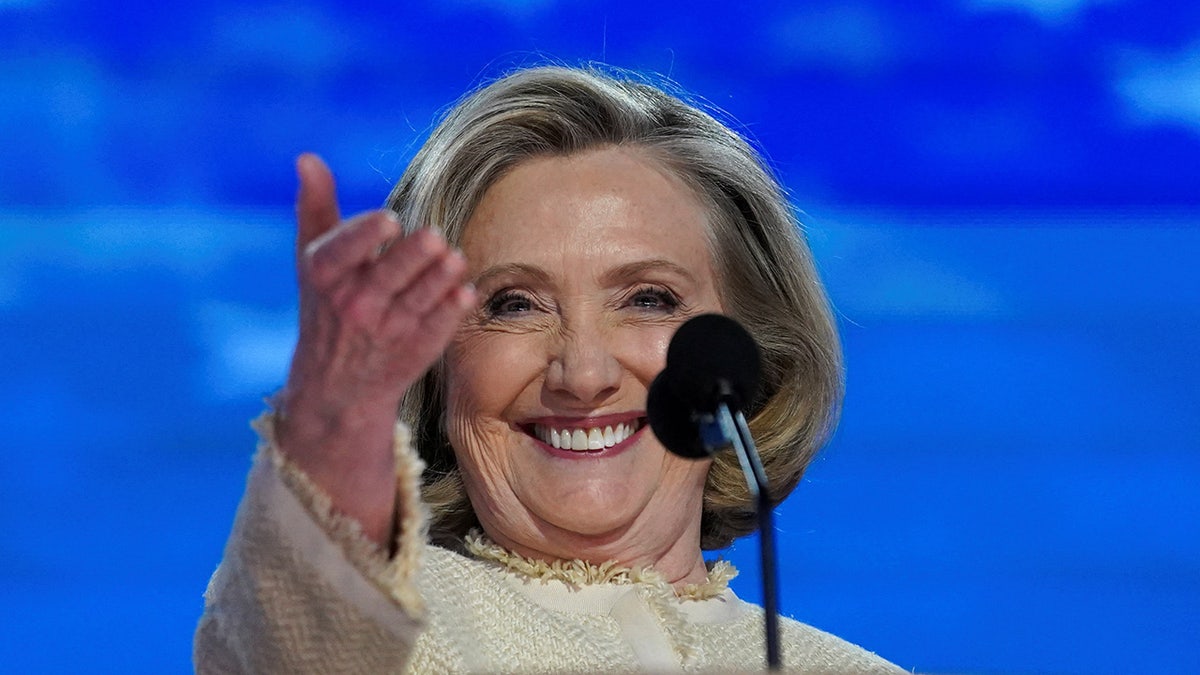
[{"x": 585, "y": 439}]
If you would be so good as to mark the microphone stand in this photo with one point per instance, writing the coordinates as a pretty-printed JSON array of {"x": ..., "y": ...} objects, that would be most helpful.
[{"x": 726, "y": 428}]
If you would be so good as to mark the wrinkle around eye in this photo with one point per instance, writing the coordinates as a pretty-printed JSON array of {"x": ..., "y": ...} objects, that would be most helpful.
[
  {"x": 481, "y": 324},
  {"x": 536, "y": 318},
  {"x": 661, "y": 300},
  {"x": 508, "y": 306},
  {"x": 511, "y": 303},
  {"x": 652, "y": 299}
]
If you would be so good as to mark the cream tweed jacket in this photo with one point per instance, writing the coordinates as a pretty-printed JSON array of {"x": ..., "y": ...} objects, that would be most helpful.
[{"x": 300, "y": 590}]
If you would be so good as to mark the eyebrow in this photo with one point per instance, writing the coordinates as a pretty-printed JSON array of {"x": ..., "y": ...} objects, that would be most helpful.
[
  {"x": 512, "y": 270},
  {"x": 612, "y": 277},
  {"x": 638, "y": 268}
]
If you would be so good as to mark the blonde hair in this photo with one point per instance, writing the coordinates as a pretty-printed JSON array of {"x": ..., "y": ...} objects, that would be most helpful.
[{"x": 767, "y": 277}]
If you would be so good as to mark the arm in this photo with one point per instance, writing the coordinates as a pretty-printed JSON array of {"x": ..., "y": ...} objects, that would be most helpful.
[
  {"x": 300, "y": 588},
  {"x": 309, "y": 581},
  {"x": 376, "y": 311}
]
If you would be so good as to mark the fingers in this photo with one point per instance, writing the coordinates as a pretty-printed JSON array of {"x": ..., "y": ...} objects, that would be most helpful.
[
  {"x": 432, "y": 330},
  {"x": 344, "y": 249},
  {"x": 411, "y": 276},
  {"x": 418, "y": 259},
  {"x": 363, "y": 283},
  {"x": 420, "y": 270},
  {"x": 436, "y": 280},
  {"x": 316, "y": 202},
  {"x": 431, "y": 301},
  {"x": 329, "y": 251},
  {"x": 427, "y": 279},
  {"x": 443, "y": 321}
]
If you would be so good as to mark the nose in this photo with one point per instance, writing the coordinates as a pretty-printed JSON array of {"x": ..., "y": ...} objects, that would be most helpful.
[{"x": 583, "y": 368}]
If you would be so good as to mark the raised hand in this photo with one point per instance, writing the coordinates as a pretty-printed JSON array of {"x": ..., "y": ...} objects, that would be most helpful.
[{"x": 376, "y": 311}]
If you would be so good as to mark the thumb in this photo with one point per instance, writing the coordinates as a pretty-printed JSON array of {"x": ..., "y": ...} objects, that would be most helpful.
[{"x": 316, "y": 202}]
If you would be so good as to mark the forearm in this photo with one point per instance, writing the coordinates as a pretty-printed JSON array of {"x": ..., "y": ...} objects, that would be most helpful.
[
  {"x": 346, "y": 451},
  {"x": 301, "y": 589}
]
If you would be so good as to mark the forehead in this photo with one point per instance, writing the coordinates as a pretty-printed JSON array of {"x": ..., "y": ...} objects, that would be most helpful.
[{"x": 606, "y": 201}]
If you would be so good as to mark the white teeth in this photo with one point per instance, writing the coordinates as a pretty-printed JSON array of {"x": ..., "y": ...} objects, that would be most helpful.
[{"x": 582, "y": 440}]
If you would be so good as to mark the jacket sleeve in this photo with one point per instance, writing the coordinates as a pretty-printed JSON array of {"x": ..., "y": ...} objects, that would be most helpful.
[{"x": 300, "y": 589}]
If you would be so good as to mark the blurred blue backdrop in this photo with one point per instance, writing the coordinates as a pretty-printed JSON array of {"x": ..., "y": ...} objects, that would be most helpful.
[{"x": 1004, "y": 197}]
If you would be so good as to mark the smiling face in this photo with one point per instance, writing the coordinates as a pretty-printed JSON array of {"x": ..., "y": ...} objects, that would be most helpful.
[{"x": 585, "y": 266}]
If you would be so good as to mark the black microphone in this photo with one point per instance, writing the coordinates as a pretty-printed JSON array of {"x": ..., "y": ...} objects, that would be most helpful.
[
  {"x": 711, "y": 360},
  {"x": 697, "y": 406}
]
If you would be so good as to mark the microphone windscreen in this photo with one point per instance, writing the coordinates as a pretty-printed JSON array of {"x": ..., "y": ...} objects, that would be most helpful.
[
  {"x": 672, "y": 422},
  {"x": 710, "y": 359}
]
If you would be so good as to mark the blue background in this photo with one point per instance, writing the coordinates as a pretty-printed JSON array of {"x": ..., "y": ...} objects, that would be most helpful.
[{"x": 1004, "y": 197}]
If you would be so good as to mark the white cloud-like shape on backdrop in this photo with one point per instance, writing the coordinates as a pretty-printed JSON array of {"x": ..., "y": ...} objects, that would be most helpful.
[
  {"x": 1049, "y": 12},
  {"x": 879, "y": 272},
  {"x": 1161, "y": 88},
  {"x": 1051, "y": 267},
  {"x": 190, "y": 243},
  {"x": 248, "y": 349}
]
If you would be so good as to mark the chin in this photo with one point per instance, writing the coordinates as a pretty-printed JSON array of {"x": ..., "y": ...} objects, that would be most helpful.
[
  {"x": 600, "y": 508},
  {"x": 598, "y": 527}
]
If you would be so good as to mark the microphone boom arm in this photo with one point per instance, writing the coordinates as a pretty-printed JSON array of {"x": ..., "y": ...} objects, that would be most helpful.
[{"x": 725, "y": 428}]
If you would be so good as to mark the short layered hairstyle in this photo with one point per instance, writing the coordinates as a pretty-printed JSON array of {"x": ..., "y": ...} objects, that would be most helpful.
[{"x": 767, "y": 277}]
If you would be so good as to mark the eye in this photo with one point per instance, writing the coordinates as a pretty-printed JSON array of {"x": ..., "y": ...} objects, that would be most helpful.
[
  {"x": 509, "y": 302},
  {"x": 654, "y": 298}
]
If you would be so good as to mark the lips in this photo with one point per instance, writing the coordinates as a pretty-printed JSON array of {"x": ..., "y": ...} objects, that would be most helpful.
[{"x": 584, "y": 438}]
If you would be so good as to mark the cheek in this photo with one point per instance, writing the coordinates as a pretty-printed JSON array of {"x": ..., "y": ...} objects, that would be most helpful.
[
  {"x": 486, "y": 372},
  {"x": 644, "y": 350},
  {"x": 474, "y": 395},
  {"x": 485, "y": 375},
  {"x": 683, "y": 479}
]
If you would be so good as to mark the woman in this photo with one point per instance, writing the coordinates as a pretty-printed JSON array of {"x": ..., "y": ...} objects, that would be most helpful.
[{"x": 535, "y": 259}]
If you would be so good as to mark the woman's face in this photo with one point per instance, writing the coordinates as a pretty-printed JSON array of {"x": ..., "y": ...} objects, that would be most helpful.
[{"x": 585, "y": 266}]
